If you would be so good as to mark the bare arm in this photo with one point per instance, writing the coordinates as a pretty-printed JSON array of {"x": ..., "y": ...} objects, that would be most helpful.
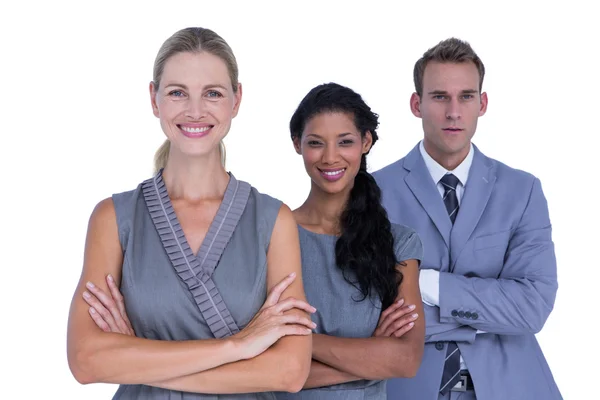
[
  {"x": 379, "y": 357},
  {"x": 97, "y": 356},
  {"x": 285, "y": 365},
  {"x": 325, "y": 375}
]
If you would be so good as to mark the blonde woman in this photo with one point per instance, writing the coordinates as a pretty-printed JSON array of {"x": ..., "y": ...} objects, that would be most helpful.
[{"x": 208, "y": 267}]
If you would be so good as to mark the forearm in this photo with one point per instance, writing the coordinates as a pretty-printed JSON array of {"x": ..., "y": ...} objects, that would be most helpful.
[
  {"x": 445, "y": 331},
  {"x": 282, "y": 367},
  {"x": 370, "y": 358},
  {"x": 115, "y": 358},
  {"x": 499, "y": 306},
  {"x": 324, "y": 375}
]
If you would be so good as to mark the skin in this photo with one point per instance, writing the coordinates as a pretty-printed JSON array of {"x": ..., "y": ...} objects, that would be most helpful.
[
  {"x": 273, "y": 351},
  {"x": 449, "y": 107}
]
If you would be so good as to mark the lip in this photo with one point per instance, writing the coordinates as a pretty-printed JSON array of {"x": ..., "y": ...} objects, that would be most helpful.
[
  {"x": 326, "y": 173},
  {"x": 453, "y": 130},
  {"x": 195, "y": 131}
]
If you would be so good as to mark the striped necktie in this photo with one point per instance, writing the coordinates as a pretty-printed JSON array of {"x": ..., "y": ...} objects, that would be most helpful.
[{"x": 451, "y": 374}]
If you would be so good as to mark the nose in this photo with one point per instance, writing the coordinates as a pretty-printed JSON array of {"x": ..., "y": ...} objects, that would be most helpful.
[
  {"x": 195, "y": 108},
  {"x": 453, "y": 110},
  {"x": 330, "y": 155}
]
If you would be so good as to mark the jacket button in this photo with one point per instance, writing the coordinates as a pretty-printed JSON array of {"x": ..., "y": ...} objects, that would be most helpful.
[
  {"x": 461, "y": 314},
  {"x": 454, "y": 313},
  {"x": 439, "y": 345},
  {"x": 474, "y": 315},
  {"x": 468, "y": 314}
]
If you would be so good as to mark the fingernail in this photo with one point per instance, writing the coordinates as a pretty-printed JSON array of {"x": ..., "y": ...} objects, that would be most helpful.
[
  {"x": 110, "y": 278},
  {"x": 415, "y": 315},
  {"x": 92, "y": 310},
  {"x": 411, "y": 307},
  {"x": 314, "y": 310},
  {"x": 400, "y": 302},
  {"x": 411, "y": 324},
  {"x": 86, "y": 295},
  {"x": 292, "y": 274},
  {"x": 90, "y": 285}
]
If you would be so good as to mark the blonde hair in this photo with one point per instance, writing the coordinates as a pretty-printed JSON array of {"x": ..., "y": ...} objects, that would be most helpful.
[{"x": 192, "y": 40}]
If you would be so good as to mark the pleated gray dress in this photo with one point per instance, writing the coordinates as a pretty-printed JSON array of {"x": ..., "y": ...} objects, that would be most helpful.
[
  {"x": 338, "y": 312},
  {"x": 170, "y": 294}
]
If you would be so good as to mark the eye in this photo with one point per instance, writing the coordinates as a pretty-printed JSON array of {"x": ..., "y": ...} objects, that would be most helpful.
[
  {"x": 468, "y": 96},
  {"x": 313, "y": 143},
  {"x": 439, "y": 97},
  {"x": 214, "y": 94},
  {"x": 176, "y": 93},
  {"x": 347, "y": 142}
]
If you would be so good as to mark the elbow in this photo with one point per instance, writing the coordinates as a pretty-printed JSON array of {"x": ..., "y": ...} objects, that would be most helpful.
[
  {"x": 294, "y": 372},
  {"x": 408, "y": 365},
  {"x": 80, "y": 364}
]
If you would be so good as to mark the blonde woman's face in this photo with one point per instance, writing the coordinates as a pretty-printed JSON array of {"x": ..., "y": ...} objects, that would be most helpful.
[{"x": 195, "y": 102}]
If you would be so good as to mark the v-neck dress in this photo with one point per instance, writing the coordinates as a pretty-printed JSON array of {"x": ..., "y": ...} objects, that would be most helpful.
[{"x": 170, "y": 294}]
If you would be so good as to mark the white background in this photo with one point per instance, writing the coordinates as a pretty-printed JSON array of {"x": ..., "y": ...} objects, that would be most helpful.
[{"x": 77, "y": 126}]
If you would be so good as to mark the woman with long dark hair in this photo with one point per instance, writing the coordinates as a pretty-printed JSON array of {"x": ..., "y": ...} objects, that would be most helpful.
[{"x": 357, "y": 266}]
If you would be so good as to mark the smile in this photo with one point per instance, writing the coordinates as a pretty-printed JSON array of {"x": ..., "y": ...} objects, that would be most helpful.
[
  {"x": 332, "y": 175},
  {"x": 194, "y": 131}
]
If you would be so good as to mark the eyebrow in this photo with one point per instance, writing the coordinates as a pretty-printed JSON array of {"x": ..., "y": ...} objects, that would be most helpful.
[
  {"x": 466, "y": 91},
  {"x": 211, "y": 86},
  {"x": 341, "y": 135}
]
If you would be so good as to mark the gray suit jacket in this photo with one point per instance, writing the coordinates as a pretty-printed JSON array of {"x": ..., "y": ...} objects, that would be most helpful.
[{"x": 497, "y": 274}]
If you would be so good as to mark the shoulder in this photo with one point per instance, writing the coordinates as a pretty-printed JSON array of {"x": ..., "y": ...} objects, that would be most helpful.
[
  {"x": 407, "y": 243},
  {"x": 508, "y": 175},
  {"x": 389, "y": 171}
]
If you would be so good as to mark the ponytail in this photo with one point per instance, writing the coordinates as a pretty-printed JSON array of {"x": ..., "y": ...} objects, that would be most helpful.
[
  {"x": 162, "y": 155},
  {"x": 365, "y": 248}
]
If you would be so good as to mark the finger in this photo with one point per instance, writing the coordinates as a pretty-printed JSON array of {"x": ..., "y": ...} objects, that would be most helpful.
[
  {"x": 118, "y": 297},
  {"x": 109, "y": 303},
  {"x": 98, "y": 320},
  {"x": 278, "y": 289},
  {"x": 395, "y": 316},
  {"x": 292, "y": 329},
  {"x": 398, "y": 324},
  {"x": 100, "y": 310},
  {"x": 395, "y": 305},
  {"x": 290, "y": 303},
  {"x": 403, "y": 330},
  {"x": 297, "y": 319}
]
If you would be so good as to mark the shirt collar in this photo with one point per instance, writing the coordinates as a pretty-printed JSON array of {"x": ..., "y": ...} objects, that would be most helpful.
[{"x": 437, "y": 171}]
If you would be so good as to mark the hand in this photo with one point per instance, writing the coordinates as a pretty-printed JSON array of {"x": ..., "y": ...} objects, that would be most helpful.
[
  {"x": 271, "y": 322},
  {"x": 108, "y": 310},
  {"x": 396, "y": 320}
]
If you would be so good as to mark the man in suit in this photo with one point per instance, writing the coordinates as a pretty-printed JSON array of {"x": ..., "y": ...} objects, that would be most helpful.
[{"x": 488, "y": 278}]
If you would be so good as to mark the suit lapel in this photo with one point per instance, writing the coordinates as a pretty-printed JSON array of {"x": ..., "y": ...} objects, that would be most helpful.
[
  {"x": 424, "y": 189},
  {"x": 482, "y": 177}
]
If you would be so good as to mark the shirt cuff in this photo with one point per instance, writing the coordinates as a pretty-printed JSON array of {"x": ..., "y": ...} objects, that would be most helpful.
[{"x": 429, "y": 282}]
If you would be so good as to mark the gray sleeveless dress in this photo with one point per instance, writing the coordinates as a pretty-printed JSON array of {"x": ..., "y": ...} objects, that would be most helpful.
[
  {"x": 170, "y": 294},
  {"x": 338, "y": 314}
]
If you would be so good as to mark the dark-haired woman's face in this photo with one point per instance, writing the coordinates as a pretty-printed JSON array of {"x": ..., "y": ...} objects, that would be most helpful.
[{"x": 332, "y": 147}]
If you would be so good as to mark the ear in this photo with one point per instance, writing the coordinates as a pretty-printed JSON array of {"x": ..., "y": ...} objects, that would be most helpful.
[
  {"x": 367, "y": 142},
  {"x": 297, "y": 145},
  {"x": 153, "y": 90},
  {"x": 484, "y": 103},
  {"x": 238, "y": 100},
  {"x": 415, "y": 105}
]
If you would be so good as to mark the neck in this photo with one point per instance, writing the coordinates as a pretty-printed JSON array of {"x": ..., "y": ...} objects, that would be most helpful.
[
  {"x": 195, "y": 178},
  {"x": 447, "y": 160},
  {"x": 323, "y": 210}
]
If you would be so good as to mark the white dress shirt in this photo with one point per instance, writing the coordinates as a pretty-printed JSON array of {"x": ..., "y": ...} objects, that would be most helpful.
[{"x": 429, "y": 279}]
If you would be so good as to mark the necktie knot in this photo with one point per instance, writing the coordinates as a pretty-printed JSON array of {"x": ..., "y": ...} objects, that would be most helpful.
[{"x": 449, "y": 181}]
